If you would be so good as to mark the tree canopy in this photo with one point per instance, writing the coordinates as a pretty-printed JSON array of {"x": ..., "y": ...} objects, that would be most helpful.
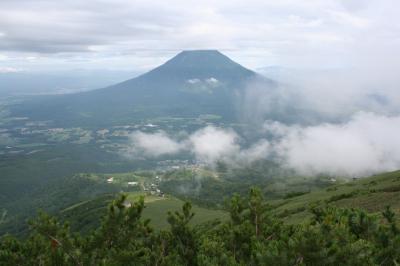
[{"x": 252, "y": 236}]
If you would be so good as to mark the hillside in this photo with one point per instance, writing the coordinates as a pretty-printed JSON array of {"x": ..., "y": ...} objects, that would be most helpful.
[{"x": 372, "y": 194}]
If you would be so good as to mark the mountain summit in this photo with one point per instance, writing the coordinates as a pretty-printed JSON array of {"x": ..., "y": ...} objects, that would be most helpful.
[
  {"x": 197, "y": 64},
  {"x": 203, "y": 60},
  {"x": 190, "y": 84}
]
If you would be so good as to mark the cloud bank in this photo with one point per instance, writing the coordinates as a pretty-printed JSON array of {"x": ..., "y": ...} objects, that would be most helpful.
[
  {"x": 152, "y": 145},
  {"x": 211, "y": 144},
  {"x": 366, "y": 144},
  {"x": 312, "y": 96},
  {"x": 208, "y": 145}
]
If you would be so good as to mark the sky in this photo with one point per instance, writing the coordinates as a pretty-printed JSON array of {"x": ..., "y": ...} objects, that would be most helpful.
[{"x": 139, "y": 35}]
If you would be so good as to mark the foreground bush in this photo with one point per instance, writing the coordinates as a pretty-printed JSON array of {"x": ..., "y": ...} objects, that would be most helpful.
[{"x": 252, "y": 236}]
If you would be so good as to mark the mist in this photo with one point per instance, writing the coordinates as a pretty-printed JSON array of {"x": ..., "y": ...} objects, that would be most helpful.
[
  {"x": 152, "y": 144},
  {"x": 340, "y": 121},
  {"x": 208, "y": 145},
  {"x": 367, "y": 143}
]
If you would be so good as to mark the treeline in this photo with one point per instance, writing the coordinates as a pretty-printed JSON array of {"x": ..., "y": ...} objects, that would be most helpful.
[{"x": 252, "y": 236}]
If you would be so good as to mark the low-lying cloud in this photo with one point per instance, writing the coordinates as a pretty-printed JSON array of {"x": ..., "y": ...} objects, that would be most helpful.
[
  {"x": 317, "y": 96},
  {"x": 209, "y": 145},
  {"x": 153, "y": 145},
  {"x": 365, "y": 144}
]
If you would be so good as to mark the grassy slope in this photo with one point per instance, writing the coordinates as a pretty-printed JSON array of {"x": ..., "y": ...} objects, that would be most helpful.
[
  {"x": 87, "y": 215},
  {"x": 157, "y": 212},
  {"x": 371, "y": 193}
]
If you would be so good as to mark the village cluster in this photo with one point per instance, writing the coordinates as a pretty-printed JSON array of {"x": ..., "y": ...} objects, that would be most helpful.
[{"x": 151, "y": 187}]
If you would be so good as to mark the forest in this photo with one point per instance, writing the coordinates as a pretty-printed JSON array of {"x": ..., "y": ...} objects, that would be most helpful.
[{"x": 252, "y": 235}]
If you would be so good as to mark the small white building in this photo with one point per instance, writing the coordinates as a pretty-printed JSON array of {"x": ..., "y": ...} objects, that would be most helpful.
[
  {"x": 127, "y": 204},
  {"x": 110, "y": 180},
  {"x": 133, "y": 183}
]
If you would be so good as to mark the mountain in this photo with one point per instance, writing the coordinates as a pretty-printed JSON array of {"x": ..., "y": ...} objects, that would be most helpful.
[{"x": 190, "y": 84}]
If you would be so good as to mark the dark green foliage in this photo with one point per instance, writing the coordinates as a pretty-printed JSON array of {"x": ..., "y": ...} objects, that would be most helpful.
[
  {"x": 342, "y": 196},
  {"x": 206, "y": 190},
  {"x": 295, "y": 194},
  {"x": 47, "y": 180},
  {"x": 287, "y": 212},
  {"x": 252, "y": 236},
  {"x": 391, "y": 189}
]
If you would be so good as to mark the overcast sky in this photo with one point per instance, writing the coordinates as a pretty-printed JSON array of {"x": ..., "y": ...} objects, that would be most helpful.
[{"x": 140, "y": 34}]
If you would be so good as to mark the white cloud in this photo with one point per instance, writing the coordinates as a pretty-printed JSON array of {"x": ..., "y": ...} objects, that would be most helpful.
[
  {"x": 152, "y": 144},
  {"x": 213, "y": 82},
  {"x": 320, "y": 95},
  {"x": 193, "y": 81},
  {"x": 211, "y": 144},
  {"x": 208, "y": 145},
  {"x": 349, "y": 19},
  {"x": 366, "y": 144},
  {"x": 10, "y": 70}
]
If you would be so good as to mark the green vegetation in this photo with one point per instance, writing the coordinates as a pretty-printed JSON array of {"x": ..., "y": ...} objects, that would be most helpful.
[
  {"x": 157, "y": 210},
  {"x": 210, "y": 188},
  {"x": 49, "y": 180},
  {"x": 86, "y": 215},
  {"x": 371, "y": 194},
  {"x": 252, "y": 235}
]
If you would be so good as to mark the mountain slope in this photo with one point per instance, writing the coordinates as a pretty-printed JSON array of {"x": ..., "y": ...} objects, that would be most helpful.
[
  {"x": 190, "y": 84},
  {"x": 372, "y": 194}
]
